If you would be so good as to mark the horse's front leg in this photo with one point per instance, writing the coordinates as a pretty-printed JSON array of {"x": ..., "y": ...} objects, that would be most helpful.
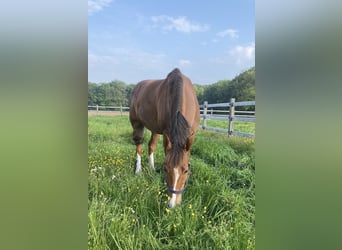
[
  {"x": 138, "y": 137},
  {"x": 151, "y": 148}
]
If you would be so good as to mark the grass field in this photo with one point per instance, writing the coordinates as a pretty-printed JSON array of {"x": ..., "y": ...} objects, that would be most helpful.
[{"x": 126, "y": 211}]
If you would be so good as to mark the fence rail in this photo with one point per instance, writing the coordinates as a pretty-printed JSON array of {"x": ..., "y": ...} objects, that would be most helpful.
[
  {"x": 107, "y": 109},
  {"x": 230, "y": 115}
]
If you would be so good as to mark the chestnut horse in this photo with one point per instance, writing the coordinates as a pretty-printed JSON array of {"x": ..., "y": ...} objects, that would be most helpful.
[{"x": 167, "y": 107}]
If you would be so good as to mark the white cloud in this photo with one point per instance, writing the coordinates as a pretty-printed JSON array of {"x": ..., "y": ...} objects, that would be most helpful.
[
  {"x": 124, "y": 55},
  {"x": 180, "y": 24},
  {"x": 98, "y": 59},
  {"x": 127, "y": 64},
  {"x": 243, "y": 54},
  {"x": 97, "y": 5},
  {"x": 184, "y": 62},
  {"x": 228, "y": 32},
  {"x": 217, "y": 60},
  {"x": 136, "y": 56},
  {"x": 121, "y": 59}
]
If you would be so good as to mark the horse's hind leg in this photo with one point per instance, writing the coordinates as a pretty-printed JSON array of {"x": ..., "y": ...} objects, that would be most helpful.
[
  {"x": 151, "y": 147},
  {"x": 138, "y": 137}
]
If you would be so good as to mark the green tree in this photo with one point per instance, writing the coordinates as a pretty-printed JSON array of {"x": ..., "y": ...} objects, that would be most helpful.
[
  {"x": 242, "y": 88},
  {"x": 92, "y": 100},
  {"x": 200, "y": 91},
  {"x": 116, "y": 93}
]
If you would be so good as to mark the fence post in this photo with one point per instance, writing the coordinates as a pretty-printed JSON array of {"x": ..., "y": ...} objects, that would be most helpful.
[
  {"x": 120, "y": 109},
  {"x": 97, "y": 109},
  {"x": 205, "y": 110},
  {"x": 231, "y": 116}
]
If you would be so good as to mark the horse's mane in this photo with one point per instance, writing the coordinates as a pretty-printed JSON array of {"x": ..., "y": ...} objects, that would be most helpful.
[{"x": 180, "y": 128}]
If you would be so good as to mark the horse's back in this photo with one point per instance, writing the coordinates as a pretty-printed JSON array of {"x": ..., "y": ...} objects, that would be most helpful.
[{"x": 143, "y": 107}]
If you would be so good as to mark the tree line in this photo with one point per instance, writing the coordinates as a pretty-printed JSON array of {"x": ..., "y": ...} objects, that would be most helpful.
[{"x": 116, "y": 93}]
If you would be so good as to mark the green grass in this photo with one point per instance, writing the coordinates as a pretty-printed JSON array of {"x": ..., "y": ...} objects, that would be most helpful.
[{"x": 126, "y": 211}]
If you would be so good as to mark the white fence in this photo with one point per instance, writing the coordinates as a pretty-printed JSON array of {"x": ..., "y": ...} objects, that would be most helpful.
[
  {"x": 226, "y": 113},
  {"x": 230, "y": 116},
  {"x": 98, "y": 110}
]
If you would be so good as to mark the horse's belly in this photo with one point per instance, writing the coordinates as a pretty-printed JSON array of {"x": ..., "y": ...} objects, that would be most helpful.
[{"x": 155, "y": 129}]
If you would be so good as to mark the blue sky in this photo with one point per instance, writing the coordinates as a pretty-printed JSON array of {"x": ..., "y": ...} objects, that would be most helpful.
[{"x": 132, "y": 40}]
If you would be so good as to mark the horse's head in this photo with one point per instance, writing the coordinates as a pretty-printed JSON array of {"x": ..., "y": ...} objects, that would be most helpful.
[{"x": 176, "y": 176}]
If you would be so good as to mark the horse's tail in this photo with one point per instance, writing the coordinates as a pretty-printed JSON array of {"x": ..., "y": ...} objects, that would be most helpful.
[{"x": 180, "y": 128}]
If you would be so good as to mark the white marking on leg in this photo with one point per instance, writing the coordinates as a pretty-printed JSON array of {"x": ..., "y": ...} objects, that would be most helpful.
[
  {"x": 151, "y": 161},
  {"x": 172, "y": 202},
  {"x": 138, "y": 165}
]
